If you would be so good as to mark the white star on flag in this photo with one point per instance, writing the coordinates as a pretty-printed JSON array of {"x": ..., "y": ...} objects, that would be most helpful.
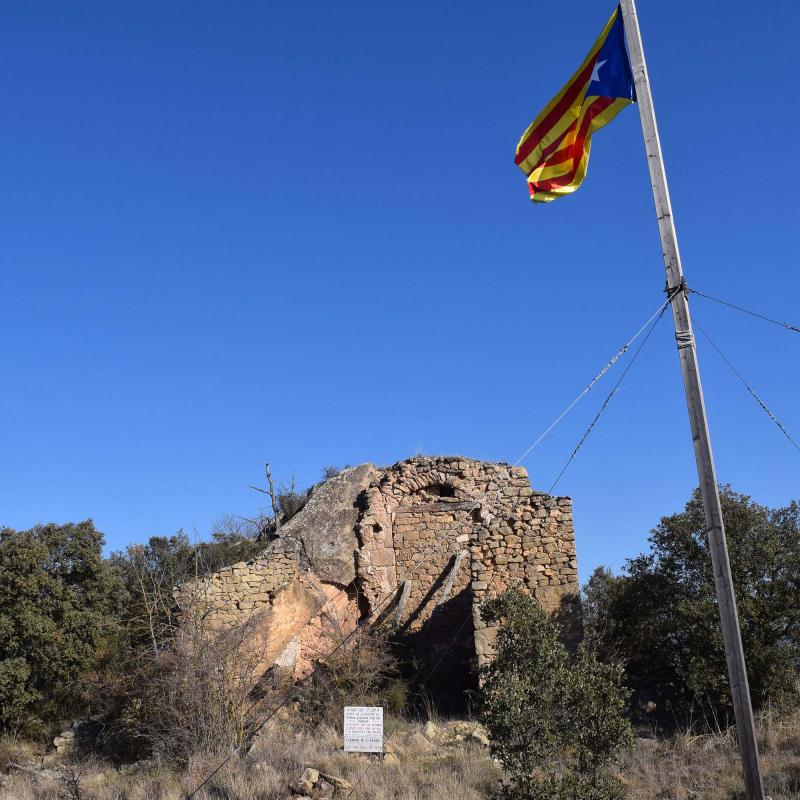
[{"x": 596, "y": 70}]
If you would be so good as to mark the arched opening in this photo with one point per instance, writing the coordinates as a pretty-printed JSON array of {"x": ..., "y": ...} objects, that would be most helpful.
[{"x": 441, "y": 490}]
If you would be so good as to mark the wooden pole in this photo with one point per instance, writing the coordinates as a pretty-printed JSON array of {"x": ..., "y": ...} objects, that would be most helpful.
[{"x": 706, "y": 471}]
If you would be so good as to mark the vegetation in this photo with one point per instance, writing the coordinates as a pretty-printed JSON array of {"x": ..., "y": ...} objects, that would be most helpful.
[
  {"x": 150, "y": 571},
  {"x": 170, "y": 691},
  {"x": 555, "y": 719},
  {"x": 58, "y": 603},
  {"x": 196, "y": 694},
  {"x": 684, "y": 767},
  {"x": 659, "y": 619},
  {"x": 78, "y": 630},
  {"x": 363, "y": 672},
  {"x": 456, "y": 769},
  {"x": 84, "y": 635}
]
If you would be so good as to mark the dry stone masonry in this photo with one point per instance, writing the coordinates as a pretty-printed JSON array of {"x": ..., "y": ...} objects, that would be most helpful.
[
  {"x": 417, "y": 545},
  {"x": 234, "y": 593}
]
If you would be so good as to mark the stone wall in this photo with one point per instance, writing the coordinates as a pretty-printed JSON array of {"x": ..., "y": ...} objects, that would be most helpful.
[
  {"x": 417, "y": 545},
  {"x": 232, "y": 595},
  {"x": 447, "y": 532},
  {"x": 532, "y": 550}
]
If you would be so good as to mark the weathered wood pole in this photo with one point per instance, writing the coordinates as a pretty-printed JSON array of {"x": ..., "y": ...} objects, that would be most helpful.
[{"x": 706, "y": 471}]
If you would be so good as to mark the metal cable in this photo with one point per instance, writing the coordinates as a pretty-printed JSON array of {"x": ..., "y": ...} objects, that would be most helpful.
[
  {"x": 452, "y": 641},
  {"x": 282, "y": 703},
  {"x": 622, "y": 350},
  {"x": 786, "y": 325},
  {"x": 360, "y": 778},
  {"x": 611, "y": 393},
  {"x": 746, "y": 385}
]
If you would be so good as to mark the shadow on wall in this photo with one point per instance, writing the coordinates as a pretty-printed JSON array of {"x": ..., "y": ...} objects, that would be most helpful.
[{"x": 439, "y": 660}]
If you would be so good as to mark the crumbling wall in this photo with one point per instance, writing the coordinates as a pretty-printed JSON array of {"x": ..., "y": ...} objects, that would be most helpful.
[
  {"x": 442, "y": 533},
  {"x": 418, "y": 545},
  {"x": 232, "y": 595},
  {"x": 531, "y": 549}
]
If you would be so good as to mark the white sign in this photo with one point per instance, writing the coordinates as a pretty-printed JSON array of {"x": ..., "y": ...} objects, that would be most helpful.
[{"x": 363, "y": 729}]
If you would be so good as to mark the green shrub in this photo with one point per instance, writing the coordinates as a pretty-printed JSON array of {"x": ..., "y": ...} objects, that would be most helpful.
[{"x": 555, "y": 718}]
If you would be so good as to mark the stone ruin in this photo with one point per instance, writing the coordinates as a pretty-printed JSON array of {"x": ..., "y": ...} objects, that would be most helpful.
[{"x": 418, "y": 546}]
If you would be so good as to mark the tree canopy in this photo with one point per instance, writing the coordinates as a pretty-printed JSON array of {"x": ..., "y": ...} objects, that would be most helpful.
[
  {"x": 58, "y": 602},
  {"x": 660, "y": 618}
]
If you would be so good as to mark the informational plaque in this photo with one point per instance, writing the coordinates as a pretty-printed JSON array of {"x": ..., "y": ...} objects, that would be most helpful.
[{"x": 363, "y": 729}]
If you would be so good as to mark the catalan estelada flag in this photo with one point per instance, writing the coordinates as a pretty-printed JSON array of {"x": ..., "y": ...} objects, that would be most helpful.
[{"x": 554, "y": 151}]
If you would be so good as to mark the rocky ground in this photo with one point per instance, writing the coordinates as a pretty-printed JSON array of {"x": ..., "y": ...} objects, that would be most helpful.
[{"x": 435, "y": 761}]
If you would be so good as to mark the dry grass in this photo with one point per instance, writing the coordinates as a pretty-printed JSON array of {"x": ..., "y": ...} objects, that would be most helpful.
[
  {"x": 690, "y": 767},
  {"x": 687, "y": 767},
  {"x": 422, "y": 771}
]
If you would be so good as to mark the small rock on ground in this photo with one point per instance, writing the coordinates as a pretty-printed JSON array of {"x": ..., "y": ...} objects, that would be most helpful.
[
  {"x": 339, "y": 783},
  {"x": 310, "y": 774}
]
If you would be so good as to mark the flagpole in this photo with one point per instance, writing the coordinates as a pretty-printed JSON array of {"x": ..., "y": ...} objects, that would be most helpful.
[{"x": 706, "y": 471}]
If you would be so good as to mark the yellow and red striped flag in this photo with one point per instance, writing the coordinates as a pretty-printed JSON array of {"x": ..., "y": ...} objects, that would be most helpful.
[{"x": 554, "y": 151}]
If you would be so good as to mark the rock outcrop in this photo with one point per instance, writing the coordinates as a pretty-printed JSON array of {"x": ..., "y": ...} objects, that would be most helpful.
[{"x": 325, "y": 528}]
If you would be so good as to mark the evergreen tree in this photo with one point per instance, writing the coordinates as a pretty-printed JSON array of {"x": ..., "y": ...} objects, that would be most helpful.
[
  {"x": 660, "y": 618},
  {"x": 58, "y": 601}
]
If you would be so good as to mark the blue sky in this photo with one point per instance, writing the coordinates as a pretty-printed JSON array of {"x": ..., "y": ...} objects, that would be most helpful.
[{"x": 238, "y": 232}]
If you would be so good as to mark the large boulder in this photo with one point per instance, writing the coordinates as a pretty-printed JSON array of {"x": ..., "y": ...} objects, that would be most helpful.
[
  {"x": 293, "y": 606},
  {"x": 324, "y": 528}
]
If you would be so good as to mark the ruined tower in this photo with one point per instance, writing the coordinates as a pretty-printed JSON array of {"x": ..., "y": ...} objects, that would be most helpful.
[{"x": 417, "y": 546}]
